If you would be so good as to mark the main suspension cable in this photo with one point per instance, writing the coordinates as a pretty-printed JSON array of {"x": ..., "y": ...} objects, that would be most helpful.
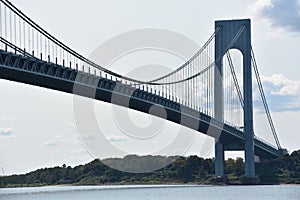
[
  {"x": 191, "y": 59},
  {"x": 264, "y": 100}
]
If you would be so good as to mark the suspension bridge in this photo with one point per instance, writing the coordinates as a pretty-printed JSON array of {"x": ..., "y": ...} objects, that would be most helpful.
[{"x": 209, "y": 93}]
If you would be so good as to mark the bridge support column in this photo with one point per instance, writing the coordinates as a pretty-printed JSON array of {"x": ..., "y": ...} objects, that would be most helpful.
[
  {"x": 220, "y": 178},
  {"x": 224, "y": 41},
  {"x": 250, "y": 177},
  {"x": 219, "y": 160}
]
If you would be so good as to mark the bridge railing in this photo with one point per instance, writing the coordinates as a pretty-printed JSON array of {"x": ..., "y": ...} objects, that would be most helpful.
[
  {"x": 265, "y": 142},
  {"x": 22, "y": 32}
]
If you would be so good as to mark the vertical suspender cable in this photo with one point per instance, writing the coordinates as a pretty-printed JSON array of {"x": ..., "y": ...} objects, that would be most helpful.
[
  {"x": 32, "y": 42},
  {"x": 1, "y": 18},
  {"x": 10, "y": 27},
  {"x": 5, "y": 23},
  {"x": 24, "y": 40},
  {"x": 20, "y": 34},
  {"x": 15, "y": 27}
]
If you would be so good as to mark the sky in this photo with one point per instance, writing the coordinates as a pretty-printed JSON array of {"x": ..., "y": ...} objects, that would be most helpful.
[{"x": 38, "y": 126}]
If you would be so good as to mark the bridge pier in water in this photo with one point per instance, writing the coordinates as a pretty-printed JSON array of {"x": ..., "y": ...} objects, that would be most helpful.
[{"x": 235, "y": 34}]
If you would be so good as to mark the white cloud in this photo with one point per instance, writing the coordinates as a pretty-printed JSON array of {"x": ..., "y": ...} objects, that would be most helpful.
[
  {"x": 282, "y": 93},
  {"x": 5, "y": 131},
  {"x": 281, "y": 14},
  {"x": 71, "y": 126},
  {"x": 282, "y": 85},
  {"x": 90, "y": 136},
  {"x": 50, "y": 144},
  {"x": 61, "y": 140},
  {"x": 260, "y": 5},
  {"x": 115, "y": 138},
  {"x": 7, "y": 119}
]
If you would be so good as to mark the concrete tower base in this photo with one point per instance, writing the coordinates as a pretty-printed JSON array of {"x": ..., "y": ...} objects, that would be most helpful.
[{"x": 250, "y": 180}]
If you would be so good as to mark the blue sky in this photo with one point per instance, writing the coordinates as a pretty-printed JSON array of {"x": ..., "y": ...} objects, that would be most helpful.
[{"x": 37, "y": 127}]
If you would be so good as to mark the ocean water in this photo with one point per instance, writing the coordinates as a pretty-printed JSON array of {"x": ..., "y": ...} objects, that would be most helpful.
[{"x": 137, "y": 192}]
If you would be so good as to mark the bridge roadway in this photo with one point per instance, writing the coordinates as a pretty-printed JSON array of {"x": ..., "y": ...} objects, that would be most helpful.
[{"x": 33, "y": 71}]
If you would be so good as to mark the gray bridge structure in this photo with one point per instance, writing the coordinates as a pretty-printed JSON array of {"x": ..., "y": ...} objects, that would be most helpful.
[{"x": 30, "y": 55}]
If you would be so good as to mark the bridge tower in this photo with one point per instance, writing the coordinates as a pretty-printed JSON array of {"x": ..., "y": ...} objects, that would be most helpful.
[{"x": 223, "y": 41}]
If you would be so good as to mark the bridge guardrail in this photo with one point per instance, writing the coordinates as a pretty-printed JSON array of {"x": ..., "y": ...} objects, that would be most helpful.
[{"x": 265, "y": 142}]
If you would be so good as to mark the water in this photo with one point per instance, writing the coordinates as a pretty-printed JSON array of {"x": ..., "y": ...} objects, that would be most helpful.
[{"x": 172, "y": 192}]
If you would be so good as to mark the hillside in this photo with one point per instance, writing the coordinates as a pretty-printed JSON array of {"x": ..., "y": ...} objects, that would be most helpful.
[{"x": 283, "y": 170}]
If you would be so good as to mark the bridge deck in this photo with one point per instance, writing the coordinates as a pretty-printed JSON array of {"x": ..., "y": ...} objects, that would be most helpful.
[{"x": 30, "y": 70}]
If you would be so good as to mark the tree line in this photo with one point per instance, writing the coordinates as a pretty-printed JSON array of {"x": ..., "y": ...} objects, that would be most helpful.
[{"x": 192, "y": 169}]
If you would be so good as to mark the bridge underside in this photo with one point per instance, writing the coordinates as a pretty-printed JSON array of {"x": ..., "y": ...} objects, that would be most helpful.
[{"x": 33, "y": 71}]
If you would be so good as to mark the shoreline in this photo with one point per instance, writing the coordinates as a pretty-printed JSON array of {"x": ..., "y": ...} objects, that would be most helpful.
[
  {"x": 190, "y": 170},
  {"x": 162, "y": 184},
  {"x": 109, "y": 184}
]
